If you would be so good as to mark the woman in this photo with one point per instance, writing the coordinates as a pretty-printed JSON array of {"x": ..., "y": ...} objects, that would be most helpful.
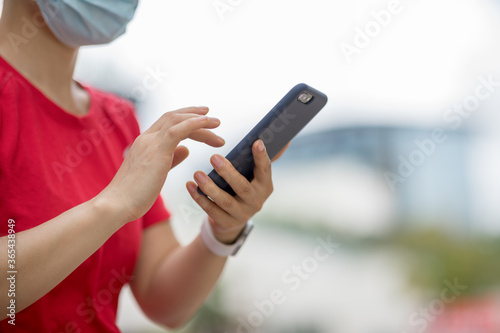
[{"x": 78, "y": 218}]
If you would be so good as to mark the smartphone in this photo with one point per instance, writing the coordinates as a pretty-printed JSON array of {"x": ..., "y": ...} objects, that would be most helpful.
[{"x": 276, "y": 129}]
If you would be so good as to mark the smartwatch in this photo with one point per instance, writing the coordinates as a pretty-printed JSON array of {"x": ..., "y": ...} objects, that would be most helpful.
[{"x": 221, "y": 249}]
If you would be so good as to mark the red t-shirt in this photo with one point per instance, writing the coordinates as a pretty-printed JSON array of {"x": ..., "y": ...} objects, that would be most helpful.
[{"x": 51, "y": 161}]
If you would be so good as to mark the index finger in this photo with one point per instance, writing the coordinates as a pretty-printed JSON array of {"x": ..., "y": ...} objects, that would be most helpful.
[
  {"x": 200, "y": 110},
  {"x": 175, "y": 134}
]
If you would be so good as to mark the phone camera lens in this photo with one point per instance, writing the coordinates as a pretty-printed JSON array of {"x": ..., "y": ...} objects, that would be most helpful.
[{"x": 305, "y": 97}]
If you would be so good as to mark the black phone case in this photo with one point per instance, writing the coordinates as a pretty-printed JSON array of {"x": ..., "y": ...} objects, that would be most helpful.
[{"x": 276, "y": 129}]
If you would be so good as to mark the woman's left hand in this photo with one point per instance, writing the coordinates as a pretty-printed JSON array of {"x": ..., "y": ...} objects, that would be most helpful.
[{"x": 228, "y": 215}]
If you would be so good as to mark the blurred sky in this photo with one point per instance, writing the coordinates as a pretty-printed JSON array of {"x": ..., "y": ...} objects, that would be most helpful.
[{"x": 426, "y": 59}]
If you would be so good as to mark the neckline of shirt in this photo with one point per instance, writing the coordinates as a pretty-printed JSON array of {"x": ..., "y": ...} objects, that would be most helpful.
[{"x": 55, "y": 108}]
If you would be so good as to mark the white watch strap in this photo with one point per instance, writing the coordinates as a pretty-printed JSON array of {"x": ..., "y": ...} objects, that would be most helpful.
[{"x": 221, "y": 249}]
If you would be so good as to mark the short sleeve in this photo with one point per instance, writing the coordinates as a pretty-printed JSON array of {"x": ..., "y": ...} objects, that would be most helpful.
[{"x": 157, "y": 213}]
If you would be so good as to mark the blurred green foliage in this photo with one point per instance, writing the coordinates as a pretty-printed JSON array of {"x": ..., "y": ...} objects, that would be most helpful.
[
  {"x": 431, "y": 255},
  {"x": 436, "y": 255}
]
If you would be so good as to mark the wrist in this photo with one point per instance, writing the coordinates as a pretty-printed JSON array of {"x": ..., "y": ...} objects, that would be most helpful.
[
  {"x": 227, "y": 236},
  {"x": 232, "y": 245},
  {"x": 108, "y": 211}
]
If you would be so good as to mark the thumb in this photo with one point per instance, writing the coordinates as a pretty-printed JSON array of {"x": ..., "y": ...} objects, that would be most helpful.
[{"x": 180, "y": 154}]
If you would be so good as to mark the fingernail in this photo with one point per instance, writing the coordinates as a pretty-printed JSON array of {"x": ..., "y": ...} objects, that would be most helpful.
[
  {"x": 200, "y": 177},
  {"x": 216, "y": 120},
  {"x": 222, "y": 141},
  {"x": 260, "y": 146},
  {"x": 217, "y": 161},
  {"x": 191, "y": 187},
  {"x": 203, "y": 118},
  {"x": 203, "y": 107}
]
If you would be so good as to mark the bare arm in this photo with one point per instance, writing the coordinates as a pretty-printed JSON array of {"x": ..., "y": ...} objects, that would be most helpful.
[
  {"x": 173, "y": 281},
  {"x": 49, "y": 252}
]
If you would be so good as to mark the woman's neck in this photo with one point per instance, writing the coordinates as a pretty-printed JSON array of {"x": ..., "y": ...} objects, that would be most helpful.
[{"x": 29, "y": 45}]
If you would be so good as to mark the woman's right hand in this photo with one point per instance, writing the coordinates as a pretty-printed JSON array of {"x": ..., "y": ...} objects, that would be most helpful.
[{"x": 142, "y": 174}]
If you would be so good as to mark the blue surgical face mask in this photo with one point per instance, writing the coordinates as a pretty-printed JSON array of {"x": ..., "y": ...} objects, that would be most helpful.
[{"x": 87, "y": 22}]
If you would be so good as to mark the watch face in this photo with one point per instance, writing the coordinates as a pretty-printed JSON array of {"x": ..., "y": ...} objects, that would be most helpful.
[{"x": 241, "y": 240}]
